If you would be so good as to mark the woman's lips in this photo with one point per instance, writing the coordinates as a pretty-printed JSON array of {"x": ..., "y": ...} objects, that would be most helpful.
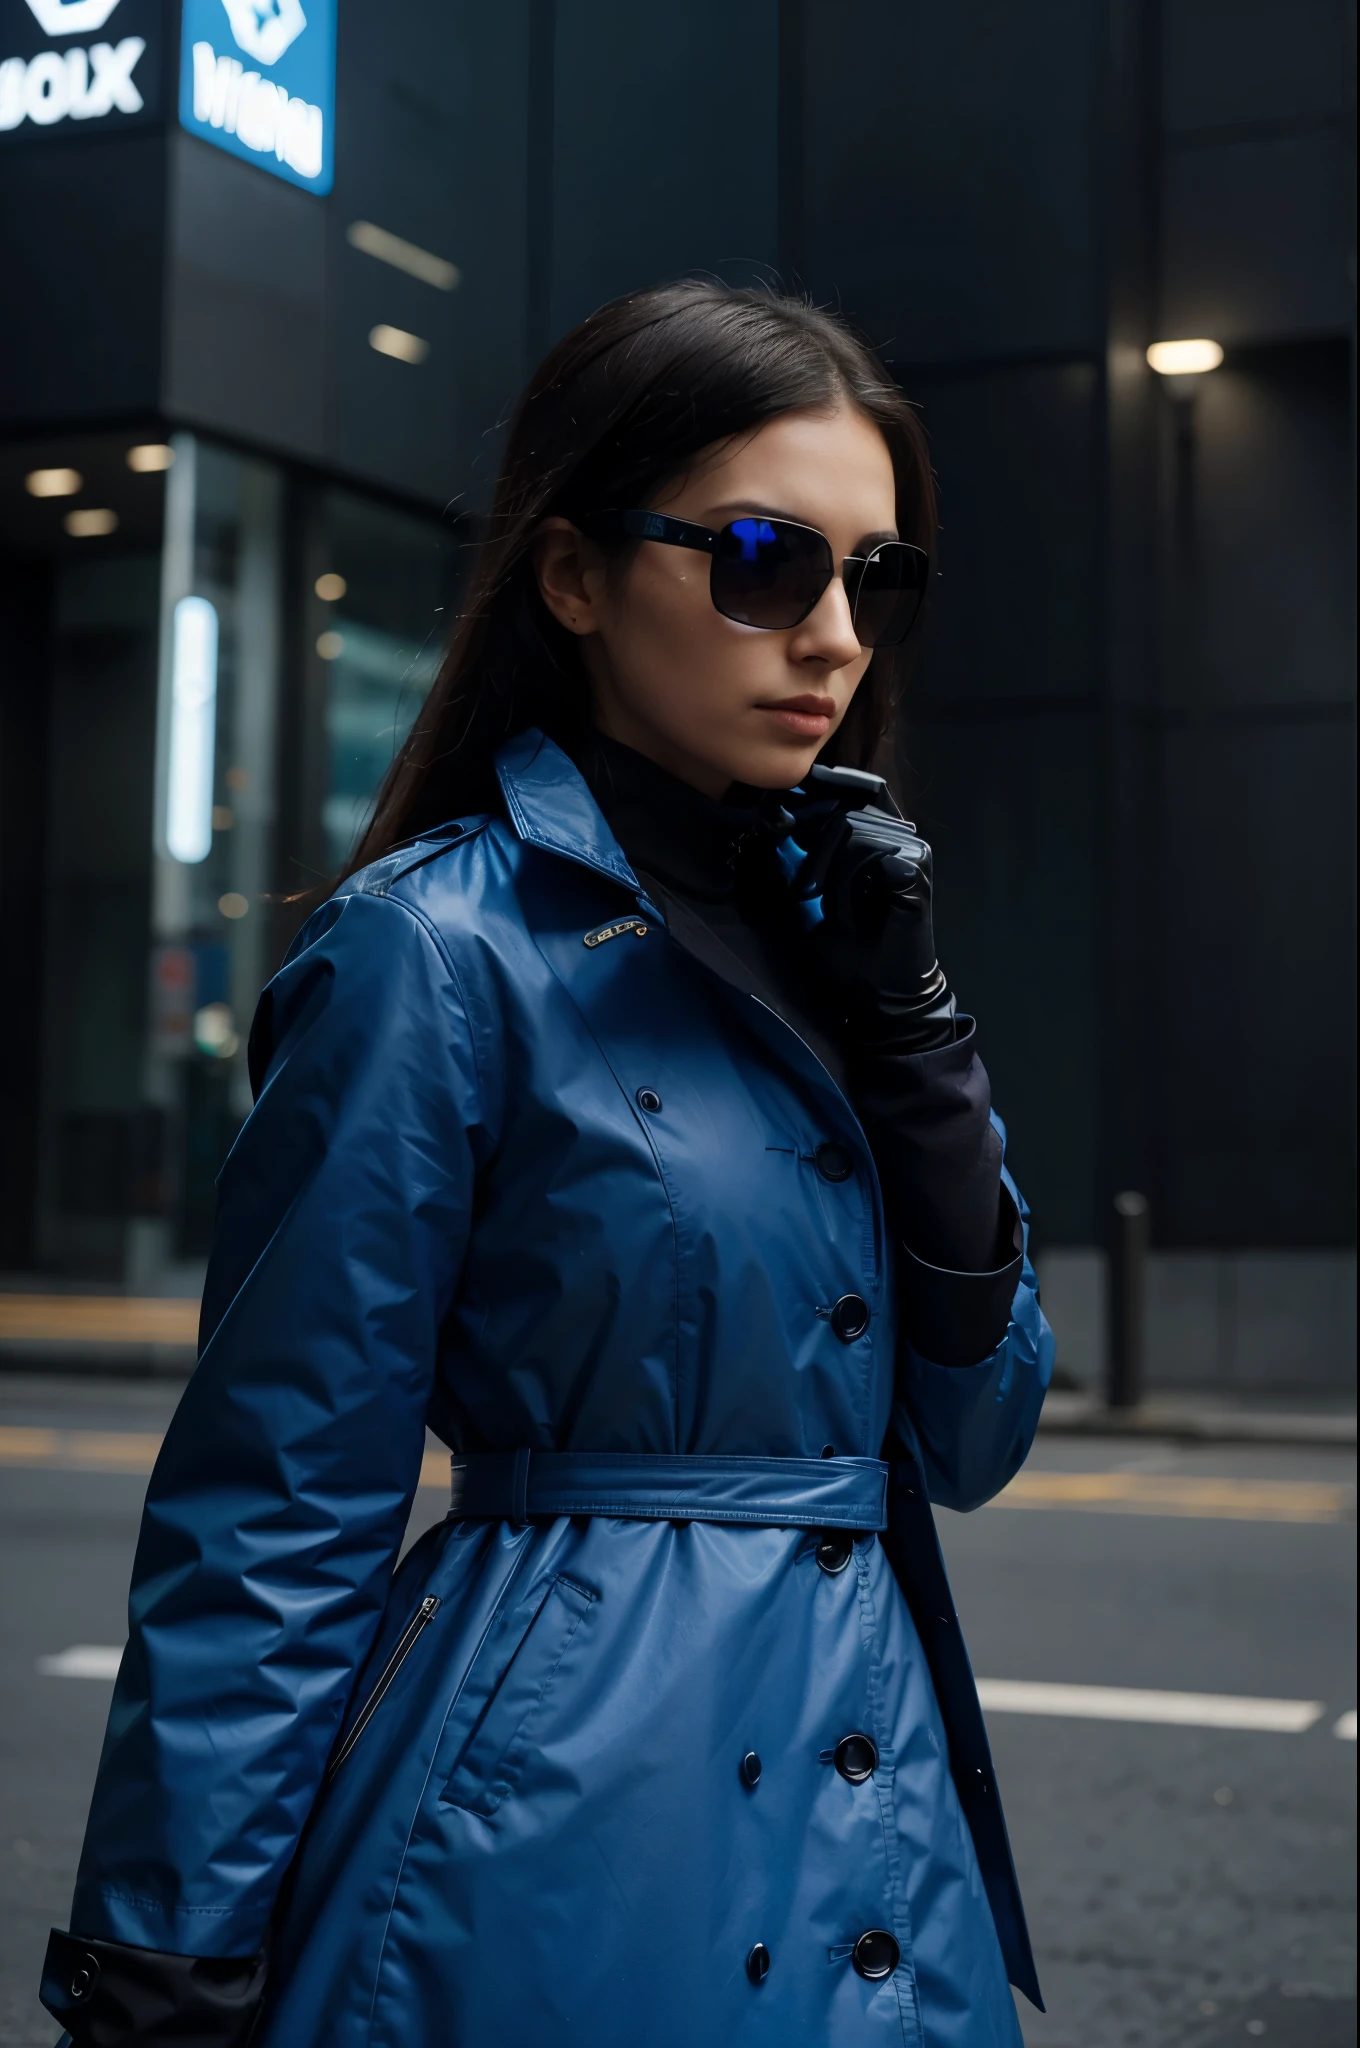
[{"x": 807, "y": 717}]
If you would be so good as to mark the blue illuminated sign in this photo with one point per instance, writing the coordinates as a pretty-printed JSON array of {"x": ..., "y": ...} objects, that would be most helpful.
[{"x": 257, "y": 77}]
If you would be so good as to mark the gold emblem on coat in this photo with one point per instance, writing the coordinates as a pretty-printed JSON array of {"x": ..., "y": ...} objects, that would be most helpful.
[{"x": 615, "y": 930}]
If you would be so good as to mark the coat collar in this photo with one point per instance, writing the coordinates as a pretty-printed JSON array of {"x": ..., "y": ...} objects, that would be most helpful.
[{"x": 550, "y": 806}]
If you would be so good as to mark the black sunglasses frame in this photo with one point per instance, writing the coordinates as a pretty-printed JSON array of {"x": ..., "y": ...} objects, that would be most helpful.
[{"x": 684, "y": 533}]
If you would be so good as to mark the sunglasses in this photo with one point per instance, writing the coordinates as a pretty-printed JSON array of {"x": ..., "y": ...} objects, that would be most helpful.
[{"x": 772, "y": 572}]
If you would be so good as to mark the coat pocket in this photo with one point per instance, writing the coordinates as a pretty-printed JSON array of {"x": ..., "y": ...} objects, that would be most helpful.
[
  {"x": 382, "y": 1685},
  {"x": 533, "y": 1643}
]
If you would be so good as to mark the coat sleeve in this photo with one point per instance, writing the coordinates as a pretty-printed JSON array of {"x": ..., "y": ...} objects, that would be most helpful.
[
  {"x": 278, "y": 1503},
  {"x": 975, "y": 1423}
]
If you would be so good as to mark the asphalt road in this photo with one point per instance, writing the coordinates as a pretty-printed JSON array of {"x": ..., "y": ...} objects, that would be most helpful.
[{"x": 1187, "y": 1886}]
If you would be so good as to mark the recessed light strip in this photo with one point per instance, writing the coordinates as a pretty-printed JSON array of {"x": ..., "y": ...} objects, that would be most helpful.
[
  {"x": 402, "y": 255},
  {"x": 1184, "y": 358},
  {"x": 53, "y": 483},
  {"x": 396, "y": 342}
]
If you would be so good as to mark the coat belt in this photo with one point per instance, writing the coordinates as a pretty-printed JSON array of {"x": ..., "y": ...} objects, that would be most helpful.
[{"x": 790, "y": 1493}]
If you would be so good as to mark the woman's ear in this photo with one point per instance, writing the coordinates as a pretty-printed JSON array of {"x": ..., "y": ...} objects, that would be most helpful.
[{"x": 571, "y": 575}]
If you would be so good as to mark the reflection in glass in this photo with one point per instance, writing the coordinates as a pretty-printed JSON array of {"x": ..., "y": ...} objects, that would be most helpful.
[
  {"x": 377, "y": 683},
  {"x": 379, "y": 580}
]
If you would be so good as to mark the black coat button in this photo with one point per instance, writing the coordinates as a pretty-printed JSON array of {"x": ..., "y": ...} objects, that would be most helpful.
[
  {"x": 833, "y": 1162},
  {"x": 758, "y": 1963},
  {"x": 648, "y": 1099},
  {"x": 856, "y": 1757},
  {"x": 877, "y": 1954},
  {"x": 85, "y": 1977},
  {"x": 750, "y": 1769},
  {"x": 850, "y": 1317},
  {"x": 835, "y": 1550}
]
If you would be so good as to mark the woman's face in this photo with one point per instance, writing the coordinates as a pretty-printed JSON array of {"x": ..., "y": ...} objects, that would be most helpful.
[{"x": 713, "y": 701}]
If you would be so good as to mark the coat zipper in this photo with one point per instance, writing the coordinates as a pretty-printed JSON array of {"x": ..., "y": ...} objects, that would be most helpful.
[{"x": 419, "y": 1621}]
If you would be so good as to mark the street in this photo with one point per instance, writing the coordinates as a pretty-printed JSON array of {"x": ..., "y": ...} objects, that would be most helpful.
[{"x": 1188, "y": 1885}]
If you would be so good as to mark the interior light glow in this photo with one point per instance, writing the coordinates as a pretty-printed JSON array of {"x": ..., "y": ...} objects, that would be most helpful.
[
  {"x": 395, "y": 341},
  {"x": 330, "y": 588},
  {"x": 149, "y": 457},
  {"x": 53, "y": 483},
  {"x": 403, "y": 255},
  {"x": 90, "y": 521},
  {"x": 330, "y": 646},
  {"x": 193, "y": 731},
  {"x": 233, "y": 904},
  {"x": 1184, "y": 358},
  {"x": 215, "y": 1031}
]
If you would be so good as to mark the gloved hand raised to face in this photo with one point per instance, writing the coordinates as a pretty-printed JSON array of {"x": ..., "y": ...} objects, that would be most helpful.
[{"x": 876, "y": 939}]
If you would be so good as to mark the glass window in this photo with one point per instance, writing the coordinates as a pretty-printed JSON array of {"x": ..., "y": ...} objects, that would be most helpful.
[
  {"x": 377, "y": 608},
  {"x": 224, "y": 658},
  {"x": 219, "y": 669}
]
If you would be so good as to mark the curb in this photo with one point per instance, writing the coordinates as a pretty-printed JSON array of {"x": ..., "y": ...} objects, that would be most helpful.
[
  {"x": 1202, "y": 1422},
  {"x": 95, "y": 1361}
]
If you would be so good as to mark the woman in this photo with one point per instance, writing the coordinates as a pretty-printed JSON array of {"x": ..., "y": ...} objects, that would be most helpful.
[{"x": 614, "y": 1121}]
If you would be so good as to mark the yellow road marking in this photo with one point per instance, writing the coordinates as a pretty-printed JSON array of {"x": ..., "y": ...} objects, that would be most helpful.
[
  {"x": 1159, "y": 1493},
  {"x": 1122, "y": 1493},
  {"x": 434, "y": 1469},
  {"x": 97, "y": 1319},
  {"x": 80, "y": 1450},
  {"x": 125, "y": 1450}
]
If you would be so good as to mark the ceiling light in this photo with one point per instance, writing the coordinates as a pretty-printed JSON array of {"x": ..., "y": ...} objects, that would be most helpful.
[
  {"x": 53, "y": 483},
  {"x": 1184, "y": 358},
  {"x": 402, "y": 255},
  {"x": 90, "y": 522},
  {"x": 330, "y": 646},
  {"x": 149, "y": 457},
  {"x": 330, "y": 588},
  {"x": 395, "y": 341}
]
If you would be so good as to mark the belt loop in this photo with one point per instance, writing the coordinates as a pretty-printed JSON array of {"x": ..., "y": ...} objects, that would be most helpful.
[{"x": 519, "y": 1490}]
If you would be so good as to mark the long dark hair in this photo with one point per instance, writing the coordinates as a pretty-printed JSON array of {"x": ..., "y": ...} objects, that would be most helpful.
[{"x": 617, "y": 410}]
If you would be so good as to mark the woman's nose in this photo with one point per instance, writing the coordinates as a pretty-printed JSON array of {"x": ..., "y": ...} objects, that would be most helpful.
[{"x": 827, "y": 634}]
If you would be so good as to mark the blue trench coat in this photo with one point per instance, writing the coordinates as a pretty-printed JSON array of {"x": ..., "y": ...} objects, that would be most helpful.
[{"x": 449, "y": 1206}]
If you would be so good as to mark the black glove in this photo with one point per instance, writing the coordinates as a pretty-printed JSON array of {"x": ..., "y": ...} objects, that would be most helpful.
[{"x": 876, "y": 941}]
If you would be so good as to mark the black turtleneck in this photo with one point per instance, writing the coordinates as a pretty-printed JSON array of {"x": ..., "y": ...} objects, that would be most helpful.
[
  {"x": 710, "y": 867},
  {"x": 709, "y": 864}
]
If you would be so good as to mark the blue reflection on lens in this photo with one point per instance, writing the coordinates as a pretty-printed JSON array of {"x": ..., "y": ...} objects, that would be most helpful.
[{"x": 753, "y": 535}]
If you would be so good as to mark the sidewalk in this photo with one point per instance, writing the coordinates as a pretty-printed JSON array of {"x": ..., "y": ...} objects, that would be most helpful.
[{"x": 1200, "y": 1418}]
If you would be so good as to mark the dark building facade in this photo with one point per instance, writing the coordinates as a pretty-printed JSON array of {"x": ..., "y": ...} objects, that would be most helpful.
[{"x": 315, "y": 279}]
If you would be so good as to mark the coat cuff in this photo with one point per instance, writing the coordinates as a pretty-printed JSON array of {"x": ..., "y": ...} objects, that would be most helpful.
[
  {"x": 108, "y": 1995},
  {"x": 958, "y": 1319}
]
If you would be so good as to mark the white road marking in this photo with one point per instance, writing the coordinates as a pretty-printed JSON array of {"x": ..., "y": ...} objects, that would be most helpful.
[
  {"x": 998, "y": 1696},
  {"x": 84, "y": 1660},
  {"x": 1126, "y": 1703}
]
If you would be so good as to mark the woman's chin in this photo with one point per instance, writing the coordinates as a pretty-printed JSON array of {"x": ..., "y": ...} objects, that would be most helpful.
[{"x": 782, "y": 765}]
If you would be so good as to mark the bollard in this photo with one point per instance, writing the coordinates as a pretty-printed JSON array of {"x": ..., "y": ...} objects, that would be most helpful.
[{"x": 1128, "y": 1279}]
